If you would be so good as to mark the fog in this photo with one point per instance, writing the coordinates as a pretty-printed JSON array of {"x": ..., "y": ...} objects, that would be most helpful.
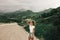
[{"x": 34, "y": 5}]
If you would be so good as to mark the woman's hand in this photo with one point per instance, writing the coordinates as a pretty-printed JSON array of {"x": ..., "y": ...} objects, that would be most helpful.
[{"x": 33, "y": 31}]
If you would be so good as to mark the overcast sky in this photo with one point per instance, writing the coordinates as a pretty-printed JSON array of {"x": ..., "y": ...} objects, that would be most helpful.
[{"x": 34, "y": 5}]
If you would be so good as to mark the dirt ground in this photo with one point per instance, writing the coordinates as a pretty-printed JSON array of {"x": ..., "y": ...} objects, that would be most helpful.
[{"x": 12, "y": 31}]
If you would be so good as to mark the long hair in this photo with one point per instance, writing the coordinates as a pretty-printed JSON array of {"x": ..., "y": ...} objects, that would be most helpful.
[{"x": 33, "y": 21}]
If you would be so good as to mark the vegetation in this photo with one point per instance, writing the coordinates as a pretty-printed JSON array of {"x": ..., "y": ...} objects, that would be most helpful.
[{"x": 47, "y": 22}]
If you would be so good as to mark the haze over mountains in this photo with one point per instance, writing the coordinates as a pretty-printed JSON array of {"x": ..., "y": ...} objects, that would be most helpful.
[{"x": 34, "y": 5}]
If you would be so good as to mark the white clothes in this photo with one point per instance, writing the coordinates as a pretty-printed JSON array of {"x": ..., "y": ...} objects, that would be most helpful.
[{"x": 31, "y": 28}]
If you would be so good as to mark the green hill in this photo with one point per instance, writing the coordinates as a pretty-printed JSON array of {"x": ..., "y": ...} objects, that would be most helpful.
[{"x": 47, "y": 21}]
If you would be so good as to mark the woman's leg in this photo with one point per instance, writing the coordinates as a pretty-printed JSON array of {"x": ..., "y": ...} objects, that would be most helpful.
[
  {"x": 29, "y": 38},
  {"x": 32, "y": 38}
]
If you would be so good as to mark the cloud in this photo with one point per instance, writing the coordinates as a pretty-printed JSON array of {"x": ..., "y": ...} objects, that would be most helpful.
[{"x": 35, "y": 5}]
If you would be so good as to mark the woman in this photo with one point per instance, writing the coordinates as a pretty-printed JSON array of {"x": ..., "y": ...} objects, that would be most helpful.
[{"x": 31, "y": 24}]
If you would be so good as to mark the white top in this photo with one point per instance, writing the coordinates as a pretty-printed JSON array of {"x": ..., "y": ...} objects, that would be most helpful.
[{"x": 31, "y": 28}]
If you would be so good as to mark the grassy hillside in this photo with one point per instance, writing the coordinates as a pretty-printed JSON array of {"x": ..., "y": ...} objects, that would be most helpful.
[{"x": 47, "y": 22}]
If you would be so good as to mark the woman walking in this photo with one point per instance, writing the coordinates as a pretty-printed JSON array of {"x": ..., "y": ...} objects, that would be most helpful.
[{"x": 31, "y": 24}]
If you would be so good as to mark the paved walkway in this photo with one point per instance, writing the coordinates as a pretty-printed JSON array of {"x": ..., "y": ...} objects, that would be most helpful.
[{"x": 13, "y": 31}]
